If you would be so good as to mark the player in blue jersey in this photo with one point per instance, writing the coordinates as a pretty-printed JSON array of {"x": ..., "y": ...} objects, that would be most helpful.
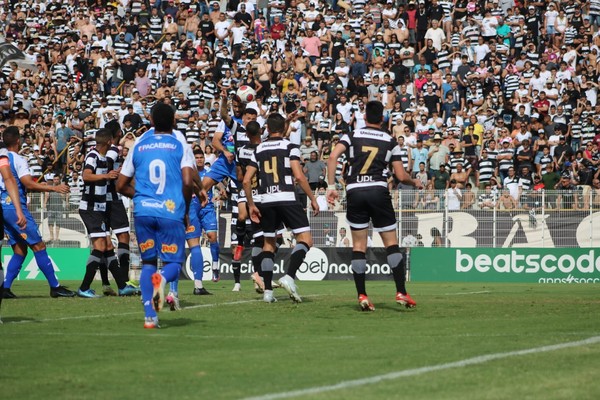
[
  {"x": 21, "y": 238},
  {"x": 10, "y": 184},
  {"x": 162, "y": 164},
  {"x": 199, "y": 218},
  {"x": 229, "y": 135}
]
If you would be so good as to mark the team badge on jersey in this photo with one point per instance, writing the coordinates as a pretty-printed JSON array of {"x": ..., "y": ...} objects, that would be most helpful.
[{"x": 170, "y": 205}]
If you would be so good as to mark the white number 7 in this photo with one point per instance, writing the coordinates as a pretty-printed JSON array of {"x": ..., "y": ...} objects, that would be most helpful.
[{"x": 158, "y": 175}]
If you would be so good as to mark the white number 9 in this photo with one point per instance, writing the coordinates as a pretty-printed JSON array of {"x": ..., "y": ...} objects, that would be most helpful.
[{"x": 158, "y": 175}]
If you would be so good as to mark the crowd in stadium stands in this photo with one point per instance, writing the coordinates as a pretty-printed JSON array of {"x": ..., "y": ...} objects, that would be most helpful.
[{"x": 490, "y": 100}]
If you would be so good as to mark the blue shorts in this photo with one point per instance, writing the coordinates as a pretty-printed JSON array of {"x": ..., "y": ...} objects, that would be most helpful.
[
  {"x": 160, "y": 236},
  {"x": 30, "y": 235},
  {"x": 222, "y": 169},
  {"x": 201, "y": 219}
]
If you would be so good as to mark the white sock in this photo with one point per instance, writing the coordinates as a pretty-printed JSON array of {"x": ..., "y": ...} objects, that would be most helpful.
[
  {"x": 198, "y": 284},
  {"x": 215, "y": 265}
]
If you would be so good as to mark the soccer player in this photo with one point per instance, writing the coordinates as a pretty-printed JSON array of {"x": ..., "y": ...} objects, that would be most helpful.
[
  {"x": 9, "y": 183},
  {"x": 229, "y": 135},
  {"x": 119, "y": 221},
  {"x": 163, "y": 166},
  {"x": 277, "y": 163},
  {"x": 19, "y": 237},
  {"x": 199, "y": 218},
  {"x": 245, "y": 153},
  {"x": 371, "y": 150},
  {"x": 94, "y": 214}
]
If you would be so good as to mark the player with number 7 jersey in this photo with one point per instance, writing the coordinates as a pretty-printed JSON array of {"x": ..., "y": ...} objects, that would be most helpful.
[{"x": 163, "y": 166}]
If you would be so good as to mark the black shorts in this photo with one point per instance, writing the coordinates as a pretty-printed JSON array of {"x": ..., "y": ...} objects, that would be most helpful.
[
  {"x": 96, "y": 223},
  {"x": 119, "y": 222},
  {"x": 323, "y": 135},
  {"x": 373, "y": 205},
  {"x": 292, "y": 215}
]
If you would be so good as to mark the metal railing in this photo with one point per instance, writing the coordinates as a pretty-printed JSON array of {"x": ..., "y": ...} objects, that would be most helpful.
[{"x": 425, "y": 218}]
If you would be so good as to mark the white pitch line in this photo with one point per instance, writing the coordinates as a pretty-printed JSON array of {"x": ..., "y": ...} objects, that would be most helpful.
[
  {"x": 424, "y": 370},
  {"x": 76, "y": 317}
]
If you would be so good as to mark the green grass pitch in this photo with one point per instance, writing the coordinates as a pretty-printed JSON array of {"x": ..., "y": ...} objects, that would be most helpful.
[{"x": 233, "y": 346}]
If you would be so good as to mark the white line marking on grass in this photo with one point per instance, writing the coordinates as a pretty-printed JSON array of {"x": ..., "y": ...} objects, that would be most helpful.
[
  {"x": 424, "y": 370},
  {"x": 76, "y": 317}
]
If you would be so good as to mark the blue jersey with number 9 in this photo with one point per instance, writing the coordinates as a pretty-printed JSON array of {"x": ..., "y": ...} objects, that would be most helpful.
[{"x": 156, "y": 161}]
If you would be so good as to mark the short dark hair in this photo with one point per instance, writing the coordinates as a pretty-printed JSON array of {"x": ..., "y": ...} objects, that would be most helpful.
[
  {"x": 253, "y": 128},
  {"x": 250, "y": 111},
  {"x": 11, "y": 136},
  {"x": 275, "y": 123},
  {"x": 163, "y": 117},
  {"x": 103, "y": 136},
  {"x": 374, "y": 111},
  {"x": 114, "y": 127},
  {"x": 198, "y": 151}
]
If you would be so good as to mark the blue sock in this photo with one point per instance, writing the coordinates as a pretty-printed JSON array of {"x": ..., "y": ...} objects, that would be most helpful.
[
  {"x": 45, "y": 265},
  {"x": 214, "y": 252},
  {"x": 147, "y": 289},
  {"x": 174, "y": 286},
  {"x": 170, "y": 271},
  {"x": 197, "y": 262},
  {"x": 12, "y": 270}
]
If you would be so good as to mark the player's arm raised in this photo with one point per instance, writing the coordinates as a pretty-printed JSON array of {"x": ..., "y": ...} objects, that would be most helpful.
[
  {"x": 247, "y": 185},
  {"x": 303, "y": 183}
]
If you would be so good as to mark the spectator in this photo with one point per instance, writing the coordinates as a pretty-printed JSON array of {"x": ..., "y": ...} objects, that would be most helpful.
[
  {"x": 453, "y": 196},
  {"x": 315, "y": 171}
]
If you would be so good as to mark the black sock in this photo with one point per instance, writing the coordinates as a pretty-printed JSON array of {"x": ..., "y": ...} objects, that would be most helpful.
[
  {"x": 267, "y": 264},
  {"x": 104, "y": 271},
  {"x": 397, "y": 261},
  {"x": 113, "y": 267},
  {"x": 240, "y": 230},
  {"x": 236, "y": 265},
  {"x": 256, "y": 260},
  {"x": 359, "y": 266},
  {"x": 93, "y": 264},
  {"x": 297, "y": 258},
  {"x": 124, "y": 259}
]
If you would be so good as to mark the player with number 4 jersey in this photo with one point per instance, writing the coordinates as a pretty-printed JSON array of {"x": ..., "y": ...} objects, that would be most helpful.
[{"x": 163, "y": 166}]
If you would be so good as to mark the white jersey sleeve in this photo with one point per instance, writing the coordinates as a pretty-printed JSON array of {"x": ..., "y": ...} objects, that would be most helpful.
[
  {"x": 21, "y": 165},
  {"x": 128, "y": 169}
]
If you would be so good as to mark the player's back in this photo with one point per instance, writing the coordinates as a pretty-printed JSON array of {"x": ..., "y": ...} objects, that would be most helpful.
[
  {"x": 157, "y": 161},
  {"x": 273, "y": 159},
  {"x": 369, "y": 154}
]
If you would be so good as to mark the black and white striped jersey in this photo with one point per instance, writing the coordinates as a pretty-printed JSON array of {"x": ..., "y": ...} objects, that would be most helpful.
[
  {"x": 245, "y": 154},
  {"x": 112, "y": 158},
  {"x": 94, "y": 193},
  {"x": 369, "y": 154},
  {"x": 486, "y": 169},
  {"x": 273, "y": 160}
]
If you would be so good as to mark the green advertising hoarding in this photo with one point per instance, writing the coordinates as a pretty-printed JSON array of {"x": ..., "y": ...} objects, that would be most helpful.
[
  {"x": 69, "y": 264},
  {"x": 524, "y": 265}
]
